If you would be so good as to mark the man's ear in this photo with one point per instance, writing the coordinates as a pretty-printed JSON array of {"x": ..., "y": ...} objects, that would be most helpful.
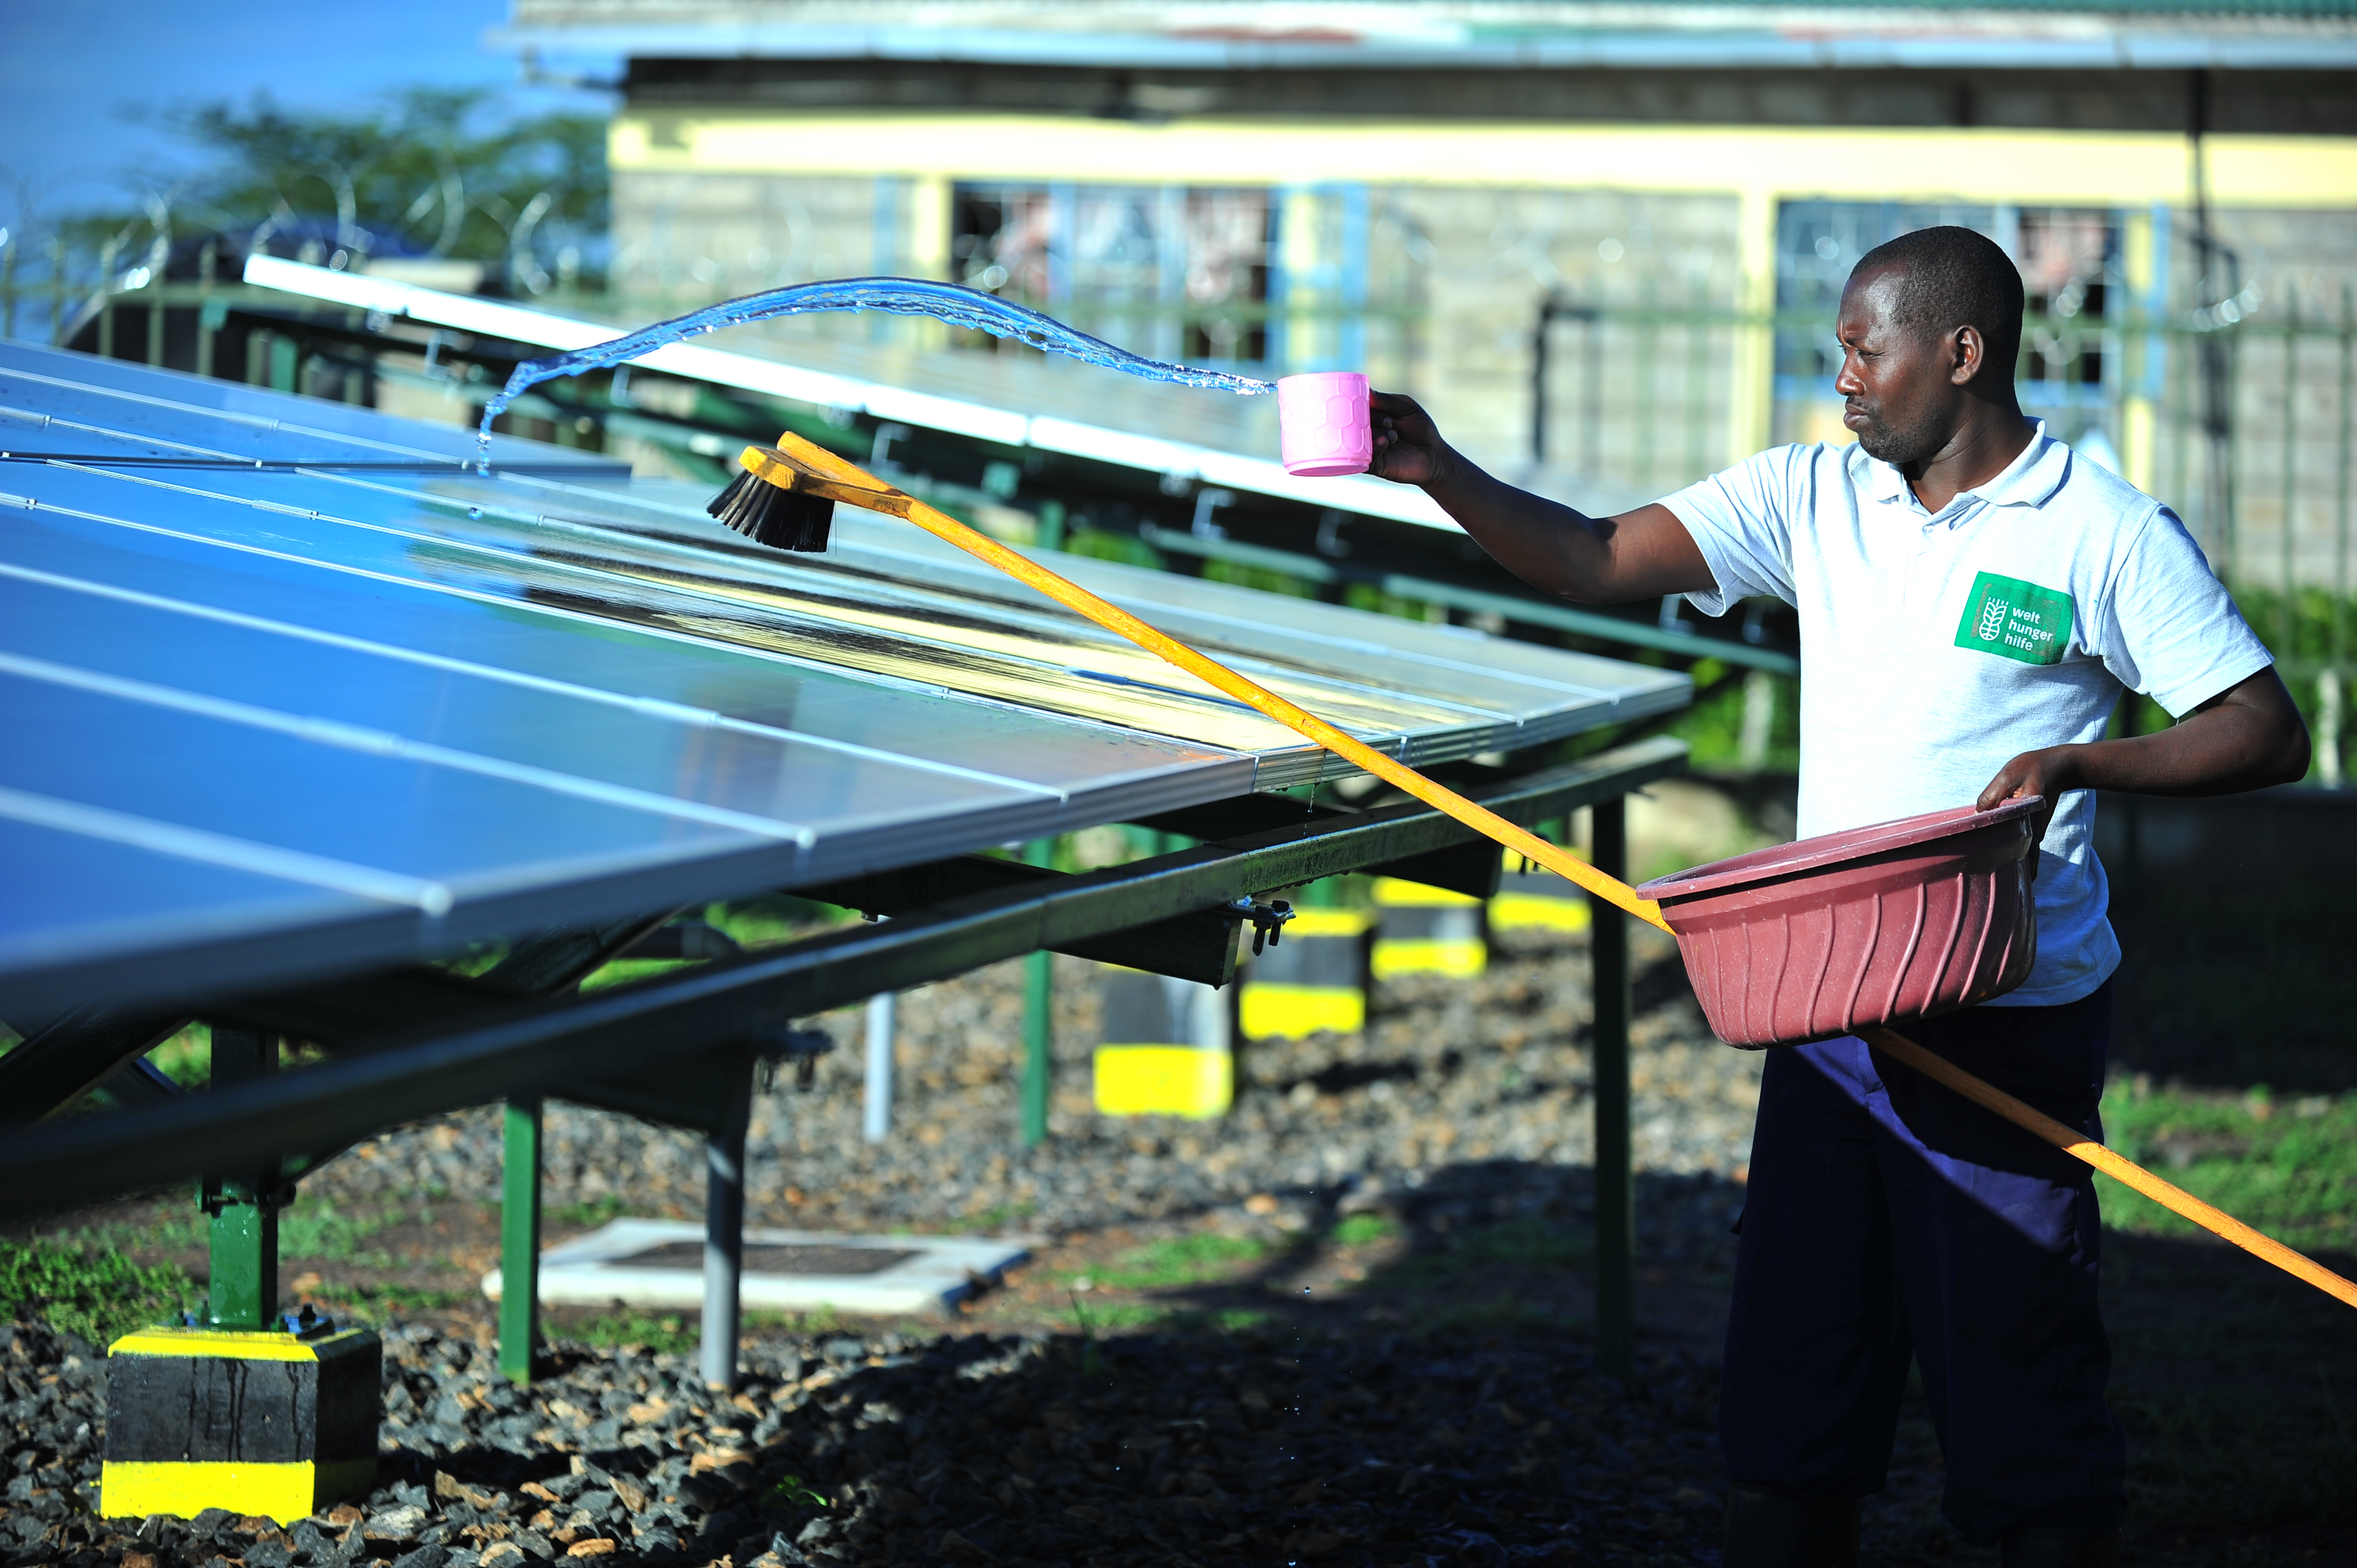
[{"x": 1968, "y": 353}]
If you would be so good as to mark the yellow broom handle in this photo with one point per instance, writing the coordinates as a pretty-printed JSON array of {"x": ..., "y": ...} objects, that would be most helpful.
[
  {"x": 1559, "y": 861},
  {"x": 2072, "y": 1141}
]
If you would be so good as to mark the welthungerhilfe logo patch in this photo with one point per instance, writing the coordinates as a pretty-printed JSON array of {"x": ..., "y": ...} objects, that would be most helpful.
[{"x": 2015, "y": 620}]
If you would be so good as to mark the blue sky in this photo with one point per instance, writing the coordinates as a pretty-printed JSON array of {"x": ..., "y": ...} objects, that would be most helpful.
[{"x": 70, "y": 69}]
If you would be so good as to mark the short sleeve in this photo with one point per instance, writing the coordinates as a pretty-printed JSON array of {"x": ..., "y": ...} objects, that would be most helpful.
[
  {"x": 2170, "y": 629},
  {"x": 1741, "y": 519}
]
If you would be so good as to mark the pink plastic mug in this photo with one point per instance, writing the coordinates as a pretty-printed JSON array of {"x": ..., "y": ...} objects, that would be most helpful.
[{"x": 1322, "y": 429}]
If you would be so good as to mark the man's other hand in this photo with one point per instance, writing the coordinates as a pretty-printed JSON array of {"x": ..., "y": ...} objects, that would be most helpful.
[{"x": 2247, "y": 738}]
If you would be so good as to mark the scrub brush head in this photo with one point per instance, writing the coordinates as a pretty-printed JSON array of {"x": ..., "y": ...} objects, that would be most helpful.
[{"x": 768, "y": 514}]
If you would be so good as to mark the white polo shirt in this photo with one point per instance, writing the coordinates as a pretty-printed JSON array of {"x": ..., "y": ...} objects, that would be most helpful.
[{"x": 1937, "y": 647}]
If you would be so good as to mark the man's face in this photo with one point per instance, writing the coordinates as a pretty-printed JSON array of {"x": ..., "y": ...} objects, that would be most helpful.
[{"x": 1898, "y": 391}]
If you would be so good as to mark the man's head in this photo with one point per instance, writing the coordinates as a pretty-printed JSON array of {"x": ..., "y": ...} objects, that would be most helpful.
[{"x": 1930, "y": 323}]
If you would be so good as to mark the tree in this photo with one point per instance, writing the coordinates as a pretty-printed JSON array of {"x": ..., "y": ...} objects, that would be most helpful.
[{"x": 433, "y": 171}]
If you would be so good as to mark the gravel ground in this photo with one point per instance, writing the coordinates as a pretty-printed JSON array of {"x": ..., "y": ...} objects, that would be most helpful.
[
  {"x": 1448, "y": 1074},
  {"x": 1163, "y": 1449},
  {"x": 1328, "y": 1432}
]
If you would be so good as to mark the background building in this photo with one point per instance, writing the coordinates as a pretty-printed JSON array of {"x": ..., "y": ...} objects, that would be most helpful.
[{"x": 1606, "y": 235}]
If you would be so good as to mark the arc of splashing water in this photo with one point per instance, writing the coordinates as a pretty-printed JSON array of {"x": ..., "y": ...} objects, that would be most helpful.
[{"x": 950, "y": 303}]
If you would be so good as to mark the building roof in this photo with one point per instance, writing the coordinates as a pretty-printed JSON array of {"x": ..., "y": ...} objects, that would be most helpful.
[{"x": 1244, "y": 35}]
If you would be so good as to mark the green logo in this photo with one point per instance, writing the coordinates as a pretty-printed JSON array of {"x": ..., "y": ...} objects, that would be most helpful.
[{"x": 2015, "y": 620}]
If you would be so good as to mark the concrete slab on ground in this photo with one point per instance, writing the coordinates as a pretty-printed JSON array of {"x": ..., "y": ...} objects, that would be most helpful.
[{"x": 660, "y": 1262}]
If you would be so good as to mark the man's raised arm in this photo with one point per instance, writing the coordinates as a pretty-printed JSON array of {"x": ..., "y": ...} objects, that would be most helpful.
[{"x": 1640, "y": 554}]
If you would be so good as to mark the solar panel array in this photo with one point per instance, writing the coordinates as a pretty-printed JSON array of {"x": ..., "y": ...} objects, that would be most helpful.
[{"x": 288, "y": 692}]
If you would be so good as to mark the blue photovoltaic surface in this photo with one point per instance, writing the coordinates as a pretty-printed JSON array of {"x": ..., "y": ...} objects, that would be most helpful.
[{"x": 289, "y": 694}]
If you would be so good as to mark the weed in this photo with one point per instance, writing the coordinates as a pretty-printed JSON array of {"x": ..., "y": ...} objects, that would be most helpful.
[
  {"x": 793, "y": 1492},
  {"x": 95, "y": 1295},
  {"x": 1085, "y": 1325}
]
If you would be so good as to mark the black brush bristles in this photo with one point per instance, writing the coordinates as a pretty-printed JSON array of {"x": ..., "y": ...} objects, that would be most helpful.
[{"x": 782, "y": 519}]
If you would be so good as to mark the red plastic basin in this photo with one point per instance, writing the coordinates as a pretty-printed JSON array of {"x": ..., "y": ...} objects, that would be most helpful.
[{"x": 1874, "y": 925}]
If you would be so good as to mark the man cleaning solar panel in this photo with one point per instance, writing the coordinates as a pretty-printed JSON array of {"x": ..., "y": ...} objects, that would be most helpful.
[{"x": 1974, "y": 598}]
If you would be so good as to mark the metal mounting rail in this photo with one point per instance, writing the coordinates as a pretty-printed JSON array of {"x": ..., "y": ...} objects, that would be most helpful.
[{"x": 526, "y": 1048}]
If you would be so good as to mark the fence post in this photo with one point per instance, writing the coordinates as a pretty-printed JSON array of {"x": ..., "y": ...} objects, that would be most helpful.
[
  {"x": 1616, "y": 1220},
  {"x": 519, "y": 1240}
]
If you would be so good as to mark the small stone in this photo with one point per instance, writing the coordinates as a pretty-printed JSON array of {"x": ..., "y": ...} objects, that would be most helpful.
[
  {"x": 424, "y": 1557},
  {"x": 633, "y": 1496},
  {"x": 394, "y": 1524},
  {"x": 595, "y": 1546}
]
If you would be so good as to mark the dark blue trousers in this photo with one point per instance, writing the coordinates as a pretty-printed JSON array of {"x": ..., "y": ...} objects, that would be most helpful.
[{"x": 1888, "y": 1218}]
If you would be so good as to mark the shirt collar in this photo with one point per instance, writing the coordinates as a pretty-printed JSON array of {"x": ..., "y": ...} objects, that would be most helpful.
[{"x": 2030, "y": 479}]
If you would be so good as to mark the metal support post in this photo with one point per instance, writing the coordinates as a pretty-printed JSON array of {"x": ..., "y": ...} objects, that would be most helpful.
[
  {"x": 723, "y": 1226},
  {"x": 876, "y": 1119},
  {"x": 243, "y": 1292},
  {"x": 1616, "y": 1213},
  {"x": 1038, "y": 1008},
  {"x": 520, "y": 1240}
]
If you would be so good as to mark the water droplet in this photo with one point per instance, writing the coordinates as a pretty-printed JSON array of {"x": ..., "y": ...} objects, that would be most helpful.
[{"x": 474, "y": 511}]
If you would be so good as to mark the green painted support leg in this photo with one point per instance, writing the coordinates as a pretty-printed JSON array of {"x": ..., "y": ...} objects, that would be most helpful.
[
  {"x": 1038, "y": 1008},
  {"x": 243, "y": 1289},
  {"x": 1616, "y": 1209},
  {"x": 519, "y": 1242}
]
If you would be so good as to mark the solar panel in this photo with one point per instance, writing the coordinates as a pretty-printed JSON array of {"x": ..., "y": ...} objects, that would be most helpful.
[{"x": 288, "y": 692}]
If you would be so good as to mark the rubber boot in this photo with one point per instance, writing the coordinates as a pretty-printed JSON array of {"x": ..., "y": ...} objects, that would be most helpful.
[
  {"x": 1764, "y": 1531},
  {"x": 2062, "y": 1548}
]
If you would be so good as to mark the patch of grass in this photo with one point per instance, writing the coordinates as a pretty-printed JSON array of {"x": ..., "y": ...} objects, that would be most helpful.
[
  {"x": 666, "y": 1333},
  {"x": 371, "y": 1304},
  {"x": 92, "y": 1293},
  {"x": 175, "y": 1231},
  {"x": 1530, "y": 1244},
  {"x": 595, "y": 1212},
  {"x": 1241, "y": 1319},
  {"x": 672, "y": 1333},
  {"x": 1365, "y": 1229},
  {"x": 315, "y": 1227},
  {"x": 1176, "y": 1261},
  {"x": 2288, "y": 1168},
  {"x": 623, "y": 971},
  {"x": 187, "y": 1059}
]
